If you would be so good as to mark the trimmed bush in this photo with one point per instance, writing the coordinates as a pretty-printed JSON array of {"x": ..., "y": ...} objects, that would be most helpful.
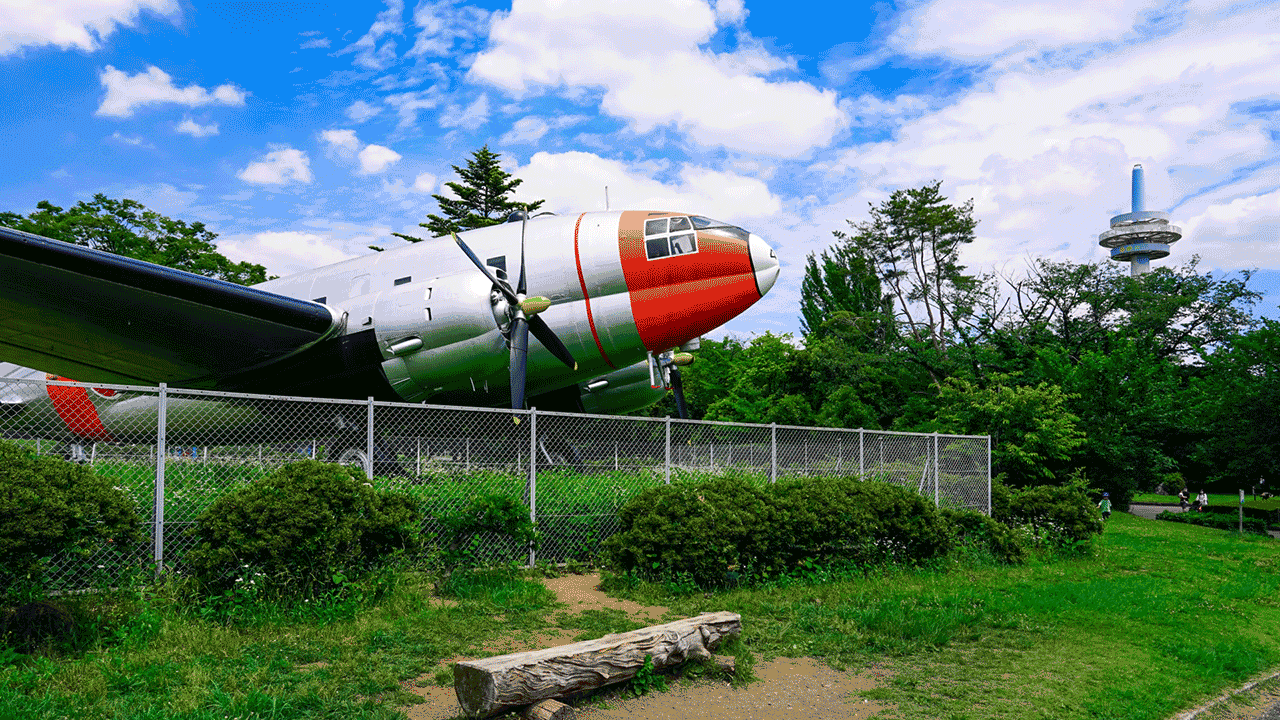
[
  {"x": 722, "y": 531},
  {"x": 1217, "y": 520},
  {"x": 974, "y": 529},
  {"x": 1056, "y": 514},
  {"x": 50, "y": 507},
  {"x": 298, "y": 528}
]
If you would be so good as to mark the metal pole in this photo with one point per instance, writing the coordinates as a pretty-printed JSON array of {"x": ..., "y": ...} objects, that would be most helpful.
[
  {"x": 615, "y": 455},
  {"x": 468, "y": 456},
  {"x": 368, "y": 459},
  {"x": 533, "y": 477},
  {"x": 161, "y": 421},
  {"x": 936, "y": 496},
  {"x": 861, "y": 432},
  {"x": 988, "y": 474},
  {"x": 418, "y": 463},
  {"x": 773, "y": 452},
  {"x": 668, "y": 451},
  {"x": 93, "y": 453}
]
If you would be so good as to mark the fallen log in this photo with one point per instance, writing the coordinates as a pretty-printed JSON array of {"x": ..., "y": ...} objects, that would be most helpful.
[
  {"x": 497, "y": 684},
  {"x": 548, "y": 710}
]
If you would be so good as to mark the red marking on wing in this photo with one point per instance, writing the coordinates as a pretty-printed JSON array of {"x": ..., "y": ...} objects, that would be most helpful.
[
  {"x": 591, "y": 321},
  {"x": 675, "y": 299},
  {"x": 76, "y": 410}
]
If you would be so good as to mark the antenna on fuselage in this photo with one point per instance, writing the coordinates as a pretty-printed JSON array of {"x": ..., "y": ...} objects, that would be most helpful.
[{"x": 606, "y": 198}]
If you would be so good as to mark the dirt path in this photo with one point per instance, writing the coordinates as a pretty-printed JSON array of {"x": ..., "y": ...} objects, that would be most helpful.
[{"x": 804, "y": 689}]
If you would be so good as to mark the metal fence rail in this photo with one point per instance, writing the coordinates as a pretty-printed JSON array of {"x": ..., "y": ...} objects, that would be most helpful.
[{"x": 174, "y": 452}]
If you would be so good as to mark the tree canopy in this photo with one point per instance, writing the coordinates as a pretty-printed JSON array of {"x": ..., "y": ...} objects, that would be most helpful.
[
  {"x": 483, "y": 197},
  {"x": 126, "y": 227}
]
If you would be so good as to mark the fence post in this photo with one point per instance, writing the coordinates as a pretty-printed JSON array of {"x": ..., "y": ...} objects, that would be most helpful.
[
  {"x": 936, "y": 458},
  {"x": 773, "y": 452},
  {"x": 368, "y": 461},
  {"x": 988, "y": 474},
  {"x": 161, "y": 421},
  {"x": 861, "y": 472},
  {"x": 667, "y": 461},
  {"x": 533, "y": 477}
]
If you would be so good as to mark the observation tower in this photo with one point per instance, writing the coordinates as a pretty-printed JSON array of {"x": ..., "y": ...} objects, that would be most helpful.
[{"x": 1142, "y": 235}]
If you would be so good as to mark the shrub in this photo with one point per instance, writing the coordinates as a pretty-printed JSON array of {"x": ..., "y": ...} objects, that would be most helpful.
[
  {"x": 719, "y": 532},
  {"x": 50, "y": 507},
  {"x": 866, "y": 523},
  {"x": 694, "y": 529},
  {"x": 486, "y": 515},
  {"x": 1217, "y": 520},
  {"x": 1056, "y": 514},
  {"x": 973, "y": 529},
  {"x": 309, "y": 526}
]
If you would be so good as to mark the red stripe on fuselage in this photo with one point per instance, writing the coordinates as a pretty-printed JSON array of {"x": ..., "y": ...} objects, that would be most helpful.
[
  {"x": 675, "y": 299},
  {"x": 586, "y": 298},
  {"x": 76, "y": 410}
]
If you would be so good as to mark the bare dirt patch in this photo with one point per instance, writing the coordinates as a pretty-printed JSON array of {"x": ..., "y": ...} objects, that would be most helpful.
[{"x": 803, "y": 688}]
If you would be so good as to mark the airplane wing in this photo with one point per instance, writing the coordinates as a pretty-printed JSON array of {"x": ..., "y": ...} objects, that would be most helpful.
[{"x": 98, "y": 317}]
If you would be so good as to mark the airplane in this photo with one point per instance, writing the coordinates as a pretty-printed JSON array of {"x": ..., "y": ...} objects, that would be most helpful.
[{"x": 621, "y": 297}]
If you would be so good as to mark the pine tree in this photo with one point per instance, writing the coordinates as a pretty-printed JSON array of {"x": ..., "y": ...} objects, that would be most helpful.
[{"x": 483, "y": 197}]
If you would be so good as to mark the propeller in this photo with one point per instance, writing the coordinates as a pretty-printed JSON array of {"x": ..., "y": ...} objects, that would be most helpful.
[{"x": 525, "y": 318}]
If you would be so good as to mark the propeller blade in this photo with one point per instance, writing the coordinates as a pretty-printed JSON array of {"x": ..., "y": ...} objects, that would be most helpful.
[
  {"x": 502, "y": 286},
  {"x": 677, "y": 387},
  {"x": 520, "y": 287},
  {"x": 548, "y": 338},
  {"x": 519, "y": 360}
]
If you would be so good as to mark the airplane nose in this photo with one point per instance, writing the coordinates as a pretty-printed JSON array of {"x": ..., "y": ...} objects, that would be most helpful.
[{"x": 764, "y": 260}]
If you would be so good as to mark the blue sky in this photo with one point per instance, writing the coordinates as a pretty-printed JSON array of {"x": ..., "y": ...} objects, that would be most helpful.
[{"x": 301, "y": 132}]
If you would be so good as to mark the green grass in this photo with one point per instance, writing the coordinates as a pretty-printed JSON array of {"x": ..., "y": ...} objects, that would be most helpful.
[{"x": 1161, "y": 618}]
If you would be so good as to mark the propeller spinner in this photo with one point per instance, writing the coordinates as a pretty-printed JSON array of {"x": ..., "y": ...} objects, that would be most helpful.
[{"x": 524, "y": 313}]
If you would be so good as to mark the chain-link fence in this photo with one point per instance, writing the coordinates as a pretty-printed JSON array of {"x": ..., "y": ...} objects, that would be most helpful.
[{"x": 174, "y": 452}]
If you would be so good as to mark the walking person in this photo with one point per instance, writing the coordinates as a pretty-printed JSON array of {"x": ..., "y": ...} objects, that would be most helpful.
[
  {"x": 1201, "y": 501},
  {"x": 1105, "y": 506},
  {"x": 1182, "y": 499}
]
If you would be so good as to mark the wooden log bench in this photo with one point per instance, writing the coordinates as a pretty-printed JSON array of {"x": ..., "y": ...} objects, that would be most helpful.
[{"x": 505, "y": 682}]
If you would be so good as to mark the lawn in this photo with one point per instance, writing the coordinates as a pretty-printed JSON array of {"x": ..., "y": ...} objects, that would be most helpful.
[{"x": 1162, "y": 617}]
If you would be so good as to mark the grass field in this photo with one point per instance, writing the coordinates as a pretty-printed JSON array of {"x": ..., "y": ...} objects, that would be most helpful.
[{"x": 1161, "y": 618}]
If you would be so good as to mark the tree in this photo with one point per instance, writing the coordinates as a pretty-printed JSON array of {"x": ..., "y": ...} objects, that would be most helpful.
[
  {"x": 483, "y": 198},
  {"x": 842, "y": 279},
  {"x": 913, "y": 241},
  {"x": 125, "y": 227}
]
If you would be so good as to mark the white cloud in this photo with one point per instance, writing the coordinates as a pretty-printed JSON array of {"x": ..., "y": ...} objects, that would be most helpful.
[
  {"x": 408, "y": 104},
  {"x": 575, "y": 181},
  {"x": 530, "y": 129},
  {"x": 1241, "y": 233},
  {"x": 425, "y": 183},
  {"x": 288, "y": 251},
  {"x": 975, "y": 29},
  {"x": 371, "y": 56},
  {"x": 375, "y": 159},
  {"x": 194, "y": 129},
  {"x": 154, "y": 86},
  {"x": 730, "y": 12},
  {"x": 134, "y": 141},
  {"x": 359, "y": 111},
  {"x": 320, "y": 42},
  {"x": 443, "y": 24},
  {"x": 71, "y": 23},
  {"x": 650, "y": 60},
  {"x": 469, "y": 117},
  {"x": 281, "y": 165},
  {"x": 342, "y": 142}
]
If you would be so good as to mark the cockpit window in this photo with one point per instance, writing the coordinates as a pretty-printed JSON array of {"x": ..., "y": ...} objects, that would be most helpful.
[
  {"x": 664, "y": 237},
  {"x": 719, "y": 228}
]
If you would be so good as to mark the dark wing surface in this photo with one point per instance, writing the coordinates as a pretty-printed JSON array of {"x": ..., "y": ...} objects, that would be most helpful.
[{"x": 98, "y": 317}]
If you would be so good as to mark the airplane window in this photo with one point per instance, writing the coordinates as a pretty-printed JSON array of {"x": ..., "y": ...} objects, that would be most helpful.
[
  {"x": 404, "y": 280},
  {"x": 719, "y": 228},
  {"x": 683, "y": 243},
  {"x": 664, "y": 237},
  {"x": 321, "y": 300},
  {"x": 657, "y": 247}
]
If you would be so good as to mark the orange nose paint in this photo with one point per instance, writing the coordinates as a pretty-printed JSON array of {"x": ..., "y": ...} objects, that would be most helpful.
[
  {"x": 680, "y": 296},
  {"x": 78, "y": 412}
]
